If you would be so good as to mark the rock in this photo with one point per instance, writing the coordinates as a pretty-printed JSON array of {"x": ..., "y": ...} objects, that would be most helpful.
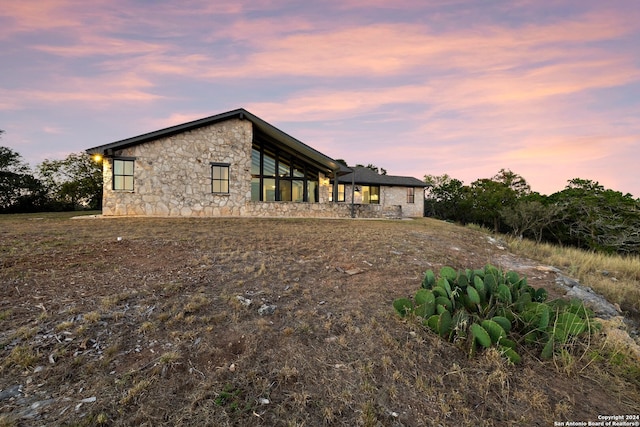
[
  {"x": 354, "y": 271},
  {"x": 13, "y": 391},
  {"x": 548, "y": 269},
  {"x": 266, "y": 310},
  {"x": 596, "y": 302},
  {"x": 244, "y": 301}
]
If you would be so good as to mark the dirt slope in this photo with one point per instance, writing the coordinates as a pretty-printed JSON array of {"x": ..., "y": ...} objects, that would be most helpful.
[{"x": 148, "y": 322}]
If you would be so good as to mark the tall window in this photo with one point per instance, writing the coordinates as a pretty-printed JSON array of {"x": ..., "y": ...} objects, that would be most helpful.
[
  {"x": 220, "y": 178},
  {"x": 410, "y": 195},
  {"x": 279, "y": 176},
  {"x": 340, "y": 193},
  {"x": 123, "y": 174}
]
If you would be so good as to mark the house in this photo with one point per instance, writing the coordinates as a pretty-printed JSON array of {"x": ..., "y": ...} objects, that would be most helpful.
[
  {"x": 397, "y": 196},
  {"x": 229, "y": 164}
]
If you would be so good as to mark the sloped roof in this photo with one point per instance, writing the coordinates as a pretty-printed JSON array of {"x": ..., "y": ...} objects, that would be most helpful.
[
  {"x": 366, "y": 176},
  {"x": 242, "y": 114}
]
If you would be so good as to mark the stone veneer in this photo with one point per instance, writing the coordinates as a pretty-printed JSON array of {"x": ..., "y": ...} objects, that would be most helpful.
[
  {"x": 395, "y": 198},
  {"x": 392, "y": 196},
  {"x": 322, "y": 210},
  {"x": 172, "y": 177}
]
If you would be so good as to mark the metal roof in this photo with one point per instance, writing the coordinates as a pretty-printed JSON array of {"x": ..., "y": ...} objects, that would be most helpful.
[
  {"x": 366, "y": 176},
  {"x": 242, "y": 114}
]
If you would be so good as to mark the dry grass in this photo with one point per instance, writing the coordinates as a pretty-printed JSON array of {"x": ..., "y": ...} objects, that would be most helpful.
[
  {"x": 162, "y": 339},
  {"x": 614, "y": 276}
]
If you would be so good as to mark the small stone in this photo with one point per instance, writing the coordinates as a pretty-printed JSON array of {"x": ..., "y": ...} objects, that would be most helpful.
[
  {"x": 244, "y": 301},
  {"x": 266, "y": 310},
  {"x": 232, "y": 367},
  {"x": 354, "y": 271},
  {"x": 263, "y": 401}
]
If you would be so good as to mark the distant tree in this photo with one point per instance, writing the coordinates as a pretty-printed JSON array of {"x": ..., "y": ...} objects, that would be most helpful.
[
  {"x": 73, "y": 183},
  {"x": 19, "y": 190},
  {"x": 342, "y": 162},
  {"x": 531, "y": 217},
  {"x": 596, "y": 218},
  {"x": 446, "y": 198},
  {"x": 488, "y": 198},
  {"x": 513, "y": 181}
]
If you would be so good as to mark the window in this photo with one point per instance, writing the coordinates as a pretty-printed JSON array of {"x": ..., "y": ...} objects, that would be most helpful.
[
  {"x": 410, "y": 195},
  {"x": 220, "y": 178},
  {"x": 369, "y": 193},
  {"x": 340, "y": 193},
  {"x": 123, "y": 174},
  {"x": 277, "y": 175}
]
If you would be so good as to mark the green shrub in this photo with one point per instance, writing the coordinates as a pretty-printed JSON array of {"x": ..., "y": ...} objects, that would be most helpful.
[{"x": 488, "y": 307}]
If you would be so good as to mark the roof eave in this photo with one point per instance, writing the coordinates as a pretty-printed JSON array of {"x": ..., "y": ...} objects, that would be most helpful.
[{"x": 328, "y": 163}]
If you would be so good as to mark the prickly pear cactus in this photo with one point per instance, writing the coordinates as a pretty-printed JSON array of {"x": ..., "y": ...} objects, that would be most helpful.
[{"x": 488, "y": 307}]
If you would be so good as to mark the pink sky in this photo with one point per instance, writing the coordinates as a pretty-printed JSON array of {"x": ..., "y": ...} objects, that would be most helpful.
[{"x": 550, "y": 90}]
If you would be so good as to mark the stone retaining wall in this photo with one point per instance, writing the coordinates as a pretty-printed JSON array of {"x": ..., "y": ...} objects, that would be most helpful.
[{"x": 319, "y": 210}]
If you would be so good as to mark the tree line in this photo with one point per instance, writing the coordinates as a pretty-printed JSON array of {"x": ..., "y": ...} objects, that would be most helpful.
[
  {"x": 584, "y": 215},
  {"x": 74, "y": 183}
]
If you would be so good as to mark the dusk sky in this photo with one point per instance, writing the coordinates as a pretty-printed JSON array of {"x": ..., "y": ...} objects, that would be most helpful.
[{"x": 547, "y": 89}]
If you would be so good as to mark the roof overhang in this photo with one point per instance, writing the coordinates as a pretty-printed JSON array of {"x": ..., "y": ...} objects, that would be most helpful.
[{"x": 325, "y": 162}]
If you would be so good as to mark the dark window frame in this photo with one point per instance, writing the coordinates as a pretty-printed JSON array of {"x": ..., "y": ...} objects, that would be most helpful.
[
  {"x": 289, "y": 169},
  {"x": 224, "y": 182},
  {"x": 371, "y": 188},
  {"x": 411, "y": 195},
  {"x": 123, "y": 175},
  {"x": 341, "y": 193}
]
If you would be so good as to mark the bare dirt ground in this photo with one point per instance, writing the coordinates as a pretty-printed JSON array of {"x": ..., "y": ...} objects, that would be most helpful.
[{"x": 148, "y": 322}]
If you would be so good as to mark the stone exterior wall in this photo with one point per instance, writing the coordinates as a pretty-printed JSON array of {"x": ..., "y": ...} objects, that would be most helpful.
[
  {"x": 398, "y": 196},
  {"x": 172, "y": 175},
  {"x": 394, "y": 199}
]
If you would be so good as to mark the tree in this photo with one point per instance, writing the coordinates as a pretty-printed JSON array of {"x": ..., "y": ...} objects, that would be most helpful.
[
  {"x": 596, "y": 218},
  {"x": 513, "y": 181},
  {"x": 19, "y": 190},
  {"x": 74, "y": 183},
  {"x": 446, "y": 198},
  {"x": 531, "y": 216}
]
